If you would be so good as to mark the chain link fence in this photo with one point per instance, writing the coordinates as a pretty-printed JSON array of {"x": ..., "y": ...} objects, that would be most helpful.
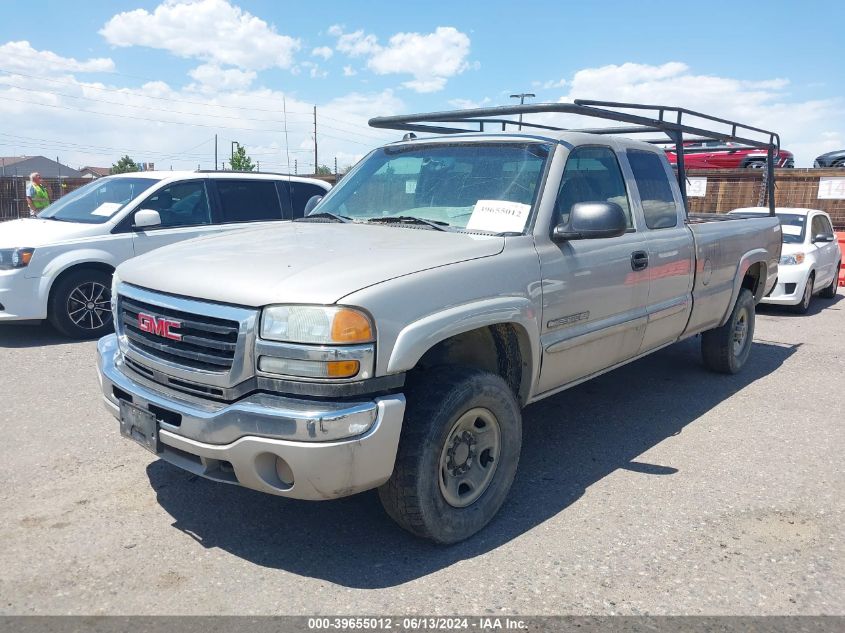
[{"x": 13, "y": 193}]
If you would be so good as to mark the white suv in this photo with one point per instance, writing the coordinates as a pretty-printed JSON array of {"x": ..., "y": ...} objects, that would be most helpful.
[{"x": 59, "y": 265}]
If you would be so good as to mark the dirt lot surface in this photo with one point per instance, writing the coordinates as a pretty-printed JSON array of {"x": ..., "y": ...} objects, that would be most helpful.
[{"x": 658, "y": 488}]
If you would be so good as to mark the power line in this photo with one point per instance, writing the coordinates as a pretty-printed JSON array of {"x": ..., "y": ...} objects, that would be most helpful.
[{"x": 125, "y": 92}]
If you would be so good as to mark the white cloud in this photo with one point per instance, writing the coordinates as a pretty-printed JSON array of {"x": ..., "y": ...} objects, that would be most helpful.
[
  {"x": 431, "y": 58},
  {"x": 348, "y": 71},
  {"x": 466, "y": 104},
  {"x": 322, "y": 51},
  {"x": 550, "y": 84},
  {"x": 356, "y": 44},
  {"x": 93, "y": 123},
  {"x": 806, "y": 127},
  {"x": 213, "y": 77},
  {"x": 22, "y": 57},
  {"x": 314, "y": 70},
  {"x": 211, "y": 30}
]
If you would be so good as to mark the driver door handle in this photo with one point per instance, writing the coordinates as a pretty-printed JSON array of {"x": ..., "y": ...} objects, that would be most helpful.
[{"x": 639, "y": 260}]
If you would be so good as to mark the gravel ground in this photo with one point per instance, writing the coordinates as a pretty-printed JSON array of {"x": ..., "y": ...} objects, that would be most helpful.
[{"x": 658, "y": 488}]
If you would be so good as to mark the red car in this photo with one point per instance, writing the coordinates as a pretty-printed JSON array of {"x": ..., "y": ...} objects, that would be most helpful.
[{"x": 728, "y": 156}]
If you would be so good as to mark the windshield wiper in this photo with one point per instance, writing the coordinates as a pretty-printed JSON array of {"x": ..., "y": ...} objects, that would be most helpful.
[
  {"x": 410, "y": 219},
  {"x": 325, "y": 215}
]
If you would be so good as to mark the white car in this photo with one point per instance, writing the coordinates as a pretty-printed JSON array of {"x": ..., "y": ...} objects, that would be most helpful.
[
  {"x": 810, "y": 258},
  {"x": 59, "y": 265}
]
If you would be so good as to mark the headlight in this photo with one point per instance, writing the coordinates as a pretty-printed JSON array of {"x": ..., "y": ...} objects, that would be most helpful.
[
  {"x": 320, "y": 325},
  {"x": 316, "y": 342},
  {"x": 791, "y": 260},
  {"x": 15, "y": 257}
]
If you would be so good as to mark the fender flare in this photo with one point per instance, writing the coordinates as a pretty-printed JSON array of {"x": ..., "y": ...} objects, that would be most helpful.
[
  {"x": 419, "y": 336},
  {"x": 68, "y": 260},
  {"x": 756, "y": 256}
]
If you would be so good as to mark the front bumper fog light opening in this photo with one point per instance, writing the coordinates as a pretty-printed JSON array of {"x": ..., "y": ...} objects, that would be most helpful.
[{"x": 274, "y": 471}]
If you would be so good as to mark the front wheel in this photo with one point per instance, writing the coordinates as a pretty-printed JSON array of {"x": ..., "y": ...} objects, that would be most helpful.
[
  {"x": 458, "y": 454},
  {"x": 829, "y": 292},
  {"x": 807, "y": 297},
  {"x": 80, "y": 304},
  {"x": 725, "y": 349}
]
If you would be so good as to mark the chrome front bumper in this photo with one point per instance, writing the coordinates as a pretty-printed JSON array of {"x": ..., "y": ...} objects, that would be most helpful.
[{"x": 274, "y": 444}]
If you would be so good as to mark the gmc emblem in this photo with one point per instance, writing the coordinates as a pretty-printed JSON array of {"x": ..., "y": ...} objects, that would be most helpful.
[{"x": 160, "y": 327}]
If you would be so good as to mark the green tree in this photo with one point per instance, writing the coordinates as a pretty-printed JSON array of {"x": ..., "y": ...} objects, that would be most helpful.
[
  {"x": 124, "y": 165},
  {"x": 240, "y": 161}
]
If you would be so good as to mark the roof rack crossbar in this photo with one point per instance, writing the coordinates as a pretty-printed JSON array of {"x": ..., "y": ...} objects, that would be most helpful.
[{"x": 431, "y": 122}]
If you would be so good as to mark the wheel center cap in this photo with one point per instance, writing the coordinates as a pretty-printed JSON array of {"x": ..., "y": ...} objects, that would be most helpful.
[
  {"x": 461, "y": 454},
  {"x": 90, "y": 305}
]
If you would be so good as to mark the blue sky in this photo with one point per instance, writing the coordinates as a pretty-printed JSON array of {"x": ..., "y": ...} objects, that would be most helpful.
[{"x": 87, "y": 81}]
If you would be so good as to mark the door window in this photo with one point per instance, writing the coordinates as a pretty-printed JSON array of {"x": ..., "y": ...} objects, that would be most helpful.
[
  {"x": 181, "y": 204},
  {"x": 591, "y": 174},
  {"x": 820, "y": 226},
  {"x": 301, "y": 193},
  {"x": 248, "y": 200},
  {"x": 656, "y": 196}
]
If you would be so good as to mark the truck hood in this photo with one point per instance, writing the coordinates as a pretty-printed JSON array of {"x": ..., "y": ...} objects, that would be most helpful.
[
  {"x": 299, "y": 262},
  {"x": 34, "y": 232}
]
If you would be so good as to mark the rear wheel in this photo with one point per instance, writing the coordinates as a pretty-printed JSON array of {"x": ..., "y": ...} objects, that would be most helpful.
[
  {"x": 807, "y": 297},
  {"x": 755, "y": 164},
  {"x": 725, "y": 349},
  {"x": 830, "y": 291},
  {"x": 80, "y": 304},
  {"x": 458, "y": 454}
]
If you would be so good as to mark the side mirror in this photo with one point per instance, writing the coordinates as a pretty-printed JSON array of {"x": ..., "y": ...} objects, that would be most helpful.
[
  {"x": 821, "y": 237},
  {"x": 592, "y": 220},
  {"x": 313, "y": 201},
  {"x": 145, "y": 218}
]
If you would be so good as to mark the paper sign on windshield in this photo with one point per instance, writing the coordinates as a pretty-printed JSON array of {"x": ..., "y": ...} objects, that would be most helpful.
[
  {"x": 107, "y": 209},
  {"x": 499, "y": 216},
  {"x": 789, "y": 229}
]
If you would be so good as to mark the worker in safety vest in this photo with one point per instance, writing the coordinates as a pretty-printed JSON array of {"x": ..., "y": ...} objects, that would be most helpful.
[{"x": 37, "y": 198}]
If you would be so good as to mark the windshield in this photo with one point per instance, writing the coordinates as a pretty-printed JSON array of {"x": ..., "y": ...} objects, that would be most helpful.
[
  {"x": 793, "y": 227},
  {"x": 98, "y": 201},
  {"x": 487, "y": 187}
]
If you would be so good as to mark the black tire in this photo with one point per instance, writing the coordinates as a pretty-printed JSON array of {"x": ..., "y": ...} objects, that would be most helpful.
[
  {"x": 74, "y": 317},
  {"x": 807, "y": 297},
  {"x": 415, "y": 495},
  {"x": 720, "y": 349},
  {"x": 829, "y": 292}
]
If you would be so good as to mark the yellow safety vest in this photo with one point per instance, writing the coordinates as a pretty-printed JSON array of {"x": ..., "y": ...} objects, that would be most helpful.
[{"x": 40, "y": 200}]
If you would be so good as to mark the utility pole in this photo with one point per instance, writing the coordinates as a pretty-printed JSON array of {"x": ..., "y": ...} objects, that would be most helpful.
[
  {"x": 295, "y": 171},
  {"x": 215, "y": 151},
  {"x": 335, "y": 166},
  {"x": 315, "y": 141},
  {"x": 521, "y": 96}
]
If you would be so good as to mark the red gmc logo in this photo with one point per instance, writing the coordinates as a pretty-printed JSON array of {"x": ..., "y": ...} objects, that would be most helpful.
[{"x": 160, "y": 327}]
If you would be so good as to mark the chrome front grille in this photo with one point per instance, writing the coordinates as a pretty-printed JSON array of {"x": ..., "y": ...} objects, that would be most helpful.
[
  {"x": 205, "y": 343},
  {"x": 213, "y": 345}
]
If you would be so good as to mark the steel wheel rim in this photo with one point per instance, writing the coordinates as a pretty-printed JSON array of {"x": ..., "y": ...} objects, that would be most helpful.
[
  {"x": 470, "y": 457},
  {"x": 89, "y": 305},
  {"x": 740, "y": 333}
]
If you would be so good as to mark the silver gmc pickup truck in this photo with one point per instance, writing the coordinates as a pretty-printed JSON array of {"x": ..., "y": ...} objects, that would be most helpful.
[{"x": 391, "y": 338}]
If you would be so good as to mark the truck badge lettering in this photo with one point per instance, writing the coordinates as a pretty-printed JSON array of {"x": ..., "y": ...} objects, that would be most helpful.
[
  {"x": 572, "y": 319},
  {"x": 160, "y": 327}
]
